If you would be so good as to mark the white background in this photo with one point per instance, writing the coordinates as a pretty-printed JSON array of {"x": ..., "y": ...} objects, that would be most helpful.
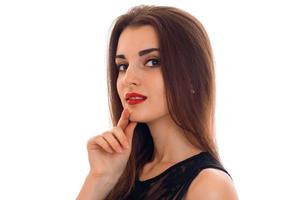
[{"x": 53, "y": 93}]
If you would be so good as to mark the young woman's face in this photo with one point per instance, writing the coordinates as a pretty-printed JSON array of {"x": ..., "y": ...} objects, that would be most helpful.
[{"x": 139, "y": 71}]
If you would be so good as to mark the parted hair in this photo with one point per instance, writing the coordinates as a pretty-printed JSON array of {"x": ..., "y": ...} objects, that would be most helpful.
[{"x": 187, "y": 64}]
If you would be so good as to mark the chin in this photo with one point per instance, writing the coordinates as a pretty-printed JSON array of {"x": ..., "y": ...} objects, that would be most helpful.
[{"x": 137, "y": 118}]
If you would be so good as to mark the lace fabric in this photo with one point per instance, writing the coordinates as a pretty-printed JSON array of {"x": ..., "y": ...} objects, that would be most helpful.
[{"x": 173, "y": 183}]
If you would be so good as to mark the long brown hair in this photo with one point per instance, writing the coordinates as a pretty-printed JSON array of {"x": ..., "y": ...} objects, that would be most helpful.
[{"x": 187, "y": 64}]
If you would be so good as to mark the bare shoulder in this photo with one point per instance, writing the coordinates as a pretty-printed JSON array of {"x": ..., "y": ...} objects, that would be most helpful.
[{"x": 212, "y": 184}]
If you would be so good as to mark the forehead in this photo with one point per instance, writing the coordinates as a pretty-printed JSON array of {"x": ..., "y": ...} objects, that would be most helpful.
[{"x": 134, "y": 39}]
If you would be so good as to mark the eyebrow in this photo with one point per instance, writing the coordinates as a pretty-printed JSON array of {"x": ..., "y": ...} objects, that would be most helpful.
[{"x": 141, "y": 53}]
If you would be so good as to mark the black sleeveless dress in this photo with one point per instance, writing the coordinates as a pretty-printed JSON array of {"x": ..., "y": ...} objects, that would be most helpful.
[{"x": 173, "y": 183}]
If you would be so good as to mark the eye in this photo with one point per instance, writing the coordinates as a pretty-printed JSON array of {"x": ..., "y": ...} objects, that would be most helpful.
[
  {"x": 119, "y": 66},
  {"x": 154, "y": 61}
]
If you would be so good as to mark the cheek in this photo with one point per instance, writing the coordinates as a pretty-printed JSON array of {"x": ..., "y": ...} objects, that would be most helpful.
[
  {"x": 159, "y": 92},
  {"x": 159, "y": 87},
  {"x": 119, "y": 82},
  {"x": 119, "y": 89}
]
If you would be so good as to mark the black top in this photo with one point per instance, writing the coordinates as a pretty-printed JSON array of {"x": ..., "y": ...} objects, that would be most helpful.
[{"x": 173, "y": 183}]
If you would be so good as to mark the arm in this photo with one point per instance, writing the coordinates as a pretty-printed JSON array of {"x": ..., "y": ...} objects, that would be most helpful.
[{"x": 96, "y": 188}]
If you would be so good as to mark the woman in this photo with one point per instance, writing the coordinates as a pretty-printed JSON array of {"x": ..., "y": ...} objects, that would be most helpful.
[{"x": 162, "y": 101}]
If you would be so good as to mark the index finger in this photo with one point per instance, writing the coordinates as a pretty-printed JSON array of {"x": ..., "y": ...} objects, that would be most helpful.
[{"x": 124, "y": 119}]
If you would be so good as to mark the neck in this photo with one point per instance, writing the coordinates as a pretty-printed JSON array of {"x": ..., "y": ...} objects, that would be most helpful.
[{"x": 170, "y": 143}]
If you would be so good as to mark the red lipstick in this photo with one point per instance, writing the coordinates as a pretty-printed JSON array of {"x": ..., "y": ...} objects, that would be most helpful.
[{"x": 134, "y": 98}]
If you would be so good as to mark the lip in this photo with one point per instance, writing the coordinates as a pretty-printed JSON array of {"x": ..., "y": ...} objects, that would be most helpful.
[
  {"x": 134, "y": 94},
  {"x": 134, "y": 101}
]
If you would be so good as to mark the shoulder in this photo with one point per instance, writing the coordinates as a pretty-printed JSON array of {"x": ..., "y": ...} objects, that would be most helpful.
[{"x": 212, "y": 184}]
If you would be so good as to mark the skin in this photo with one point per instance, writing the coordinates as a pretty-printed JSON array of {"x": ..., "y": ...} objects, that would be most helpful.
[
  {"x": 109, "y": 152},
  {"x": 212, "y": 184},
  {"x": 107, "y": 159},
  {"x": 140, "y": 74}
]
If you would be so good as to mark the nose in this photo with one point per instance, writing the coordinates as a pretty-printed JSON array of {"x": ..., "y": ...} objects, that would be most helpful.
[{"x": 132, "y": 75}]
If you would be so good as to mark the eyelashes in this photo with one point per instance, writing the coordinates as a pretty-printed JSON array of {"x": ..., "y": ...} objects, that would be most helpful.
[{"x": 155, "y": 62}]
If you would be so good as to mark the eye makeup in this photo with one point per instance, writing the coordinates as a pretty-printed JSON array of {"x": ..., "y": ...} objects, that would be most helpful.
[
  {"x": 143, "y": 53},
  {"x": 154, "y": 59}
]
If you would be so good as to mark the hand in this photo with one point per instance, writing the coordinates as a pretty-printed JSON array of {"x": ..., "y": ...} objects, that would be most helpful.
[{"x": 109, "y": 152}]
